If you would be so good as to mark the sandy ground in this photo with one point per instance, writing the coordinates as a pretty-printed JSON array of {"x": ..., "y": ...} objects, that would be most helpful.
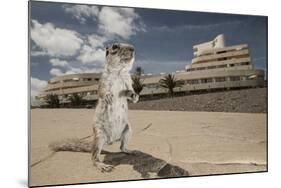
[{"x": 202, "y": 143}]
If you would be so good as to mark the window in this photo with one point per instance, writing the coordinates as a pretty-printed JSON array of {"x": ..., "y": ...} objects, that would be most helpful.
[
  {"x": 201, "y": 68},
  {"x": 87, "y": 79},
  {"x": 203, "y": 81},
  {"x": 69, "y": 80},
  {"x": 209, "y": 80},
  {"x": 206, "y": 80},
  {"x": 220, "y": 79},
  {"x": 222, "y": 66},
  {"x": 211, "y": 67},
  {"x": 234, "y": 78},
  {"x": 95, "y": 92},
  {"x": 221, "y": 52},
  {"x": 222, "y": 59},
  {"x": 189, "y": 70},
  {"x": 245, "y": 63},
  {"x": 243, "y": 78},
  {"x": 192, "y": 82}
]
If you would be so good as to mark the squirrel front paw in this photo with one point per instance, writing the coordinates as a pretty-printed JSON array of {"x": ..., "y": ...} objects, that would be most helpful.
[
  {"x": 135, "y": 98},
  {"x": 130, "y": 95},
  {"x": 108, "y": 98}
]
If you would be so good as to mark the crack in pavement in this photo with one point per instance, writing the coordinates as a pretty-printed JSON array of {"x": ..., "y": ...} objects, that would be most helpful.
[
  {"x": 43, "y": 159},
  {"x": 54, "y": 152},
  {"x": 170, "y": 148},
  {"x": 167, "y": 141},
  {"x": 149, "y": 125}
]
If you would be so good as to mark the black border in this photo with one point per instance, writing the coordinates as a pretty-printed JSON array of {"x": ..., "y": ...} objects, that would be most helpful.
[{"x": 130, "y": 180}]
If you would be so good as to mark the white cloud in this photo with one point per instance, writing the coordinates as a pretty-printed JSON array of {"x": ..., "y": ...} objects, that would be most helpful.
[
  {"x": 59, "y": 63},
  {"x": 80, "y": 12},
  {"x": 55, "y": 41},
  {"x": 37, "y": 86},
  {"x": 203, "y": 27},
  {"x": 56, "y": 72},
  {"x": 97, "y": 41},
  {"x": 112, "y": 21},
  {"x": 90, "y": 55},
  {"x": 38, "y": 53},
  {"x": 73, "y": 70},
  {"x": 83, "y": 69},
  {"x": 93, "y": 53},
  {"x": 118, "y": 21},
  {"x": 93, "y": 70},
  {"x": 88, "y": 50}
]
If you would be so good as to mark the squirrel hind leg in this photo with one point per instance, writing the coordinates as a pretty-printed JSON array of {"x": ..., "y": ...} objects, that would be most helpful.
[
  {"x": 96, "y": 152},
  {"x": 126, "y": 135}
]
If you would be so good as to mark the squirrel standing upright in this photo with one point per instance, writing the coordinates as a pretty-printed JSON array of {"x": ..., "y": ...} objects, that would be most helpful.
[{"x": 111, "y": 115}]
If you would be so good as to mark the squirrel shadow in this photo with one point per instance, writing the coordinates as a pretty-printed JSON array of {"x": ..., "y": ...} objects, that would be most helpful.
[{"x": 147, "y": 165}]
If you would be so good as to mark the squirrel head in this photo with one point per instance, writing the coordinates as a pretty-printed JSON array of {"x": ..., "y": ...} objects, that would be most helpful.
[{"x": 120, "y": 57}]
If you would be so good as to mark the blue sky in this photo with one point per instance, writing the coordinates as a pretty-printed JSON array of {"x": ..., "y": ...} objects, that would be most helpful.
[{"x": 69, "y": 38}]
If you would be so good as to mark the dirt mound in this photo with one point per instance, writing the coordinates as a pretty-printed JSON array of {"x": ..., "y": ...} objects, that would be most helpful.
[{"x": 244, "y": 100}]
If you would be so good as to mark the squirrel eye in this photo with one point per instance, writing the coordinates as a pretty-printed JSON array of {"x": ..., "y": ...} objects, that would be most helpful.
[{"x": 115, "y": 46}]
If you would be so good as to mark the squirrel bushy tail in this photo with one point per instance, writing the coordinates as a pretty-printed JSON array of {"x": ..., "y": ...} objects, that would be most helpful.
[{"x": 72, "y": 144}]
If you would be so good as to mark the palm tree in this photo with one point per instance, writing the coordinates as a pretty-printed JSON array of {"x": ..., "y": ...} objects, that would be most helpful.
[
  {"x": 76, "y": 100},
  {"x": 137, "y": 84},
  {"x": 139, "y": 71},
  {"x": 53, "y": 100},
  {"x": 170, "y": 82}
]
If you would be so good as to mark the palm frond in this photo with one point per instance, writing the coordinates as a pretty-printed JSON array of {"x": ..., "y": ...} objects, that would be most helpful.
[
  {"x": 137, "y": 84},
  {"x": 170, "y": 82}
]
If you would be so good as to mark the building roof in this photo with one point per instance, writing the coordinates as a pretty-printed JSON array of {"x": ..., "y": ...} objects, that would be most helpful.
[{"x": 71, "y": 76}]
